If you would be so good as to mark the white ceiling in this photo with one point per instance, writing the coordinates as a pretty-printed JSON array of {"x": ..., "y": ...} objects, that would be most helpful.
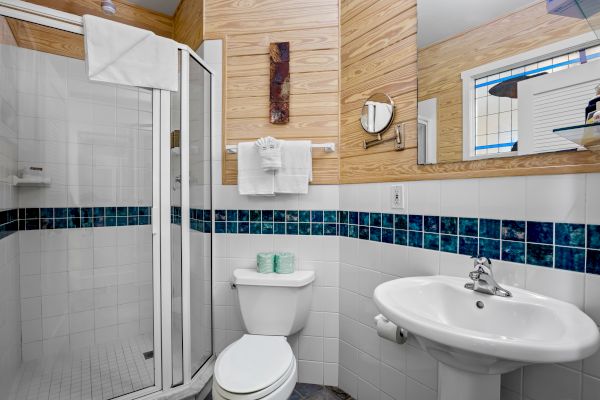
[
  {"x": 164, "y": 6},
  {"x": 441, "y": 19}
]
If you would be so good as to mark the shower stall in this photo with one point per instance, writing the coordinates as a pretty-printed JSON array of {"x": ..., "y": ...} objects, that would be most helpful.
[{"x": 105, "y": 221}]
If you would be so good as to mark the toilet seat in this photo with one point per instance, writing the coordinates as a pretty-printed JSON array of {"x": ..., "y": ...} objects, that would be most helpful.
[{"x": 254, "y": 367}]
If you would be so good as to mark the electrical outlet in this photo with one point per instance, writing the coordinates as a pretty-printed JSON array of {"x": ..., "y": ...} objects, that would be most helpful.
[{"x": 398, "y": 197}]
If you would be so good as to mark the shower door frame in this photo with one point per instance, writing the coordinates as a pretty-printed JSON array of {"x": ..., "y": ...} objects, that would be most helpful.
[{"x": 161, "y": 202}]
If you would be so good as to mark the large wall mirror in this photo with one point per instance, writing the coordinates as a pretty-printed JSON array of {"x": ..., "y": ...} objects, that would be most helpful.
[{"x": 497, "y": 78}]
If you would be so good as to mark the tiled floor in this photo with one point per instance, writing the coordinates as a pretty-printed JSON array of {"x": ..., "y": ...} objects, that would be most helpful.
[
  {"x": 308, "y": 391},
  {"x": 100, "y": 372}
]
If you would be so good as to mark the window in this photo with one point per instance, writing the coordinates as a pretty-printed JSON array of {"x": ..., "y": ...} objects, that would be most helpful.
[{"x": 491, "y": 122}]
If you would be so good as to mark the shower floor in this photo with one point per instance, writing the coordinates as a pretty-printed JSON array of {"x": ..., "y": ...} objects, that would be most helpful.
[{"x": 100, "y": 372}]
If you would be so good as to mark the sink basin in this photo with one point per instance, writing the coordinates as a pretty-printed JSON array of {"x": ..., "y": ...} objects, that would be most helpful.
[{"x": 472, "y": 333}]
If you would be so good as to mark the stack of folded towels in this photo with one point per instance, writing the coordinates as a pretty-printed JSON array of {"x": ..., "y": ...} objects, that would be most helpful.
[
  {"x": 280, "y": 263},
  {"x": 270, "y": 166}
]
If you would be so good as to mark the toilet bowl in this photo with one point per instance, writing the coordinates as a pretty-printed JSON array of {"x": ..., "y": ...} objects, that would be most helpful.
[{"x": 261, "y": 364}]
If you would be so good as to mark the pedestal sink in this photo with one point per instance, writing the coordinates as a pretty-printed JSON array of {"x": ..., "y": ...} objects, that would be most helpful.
[{"x": 476, "y": 337}]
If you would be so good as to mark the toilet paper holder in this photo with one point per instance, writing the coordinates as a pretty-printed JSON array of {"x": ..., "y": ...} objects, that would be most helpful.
[{"x": 390, "y": 331}]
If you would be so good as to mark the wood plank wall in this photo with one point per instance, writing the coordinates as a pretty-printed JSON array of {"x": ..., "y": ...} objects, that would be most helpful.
[
  {"x": 188, "y": 23},
  {"x": 379, "y": 54},
  {"x": 440, "y": 64},
  {"x": 312, "y": 28}
]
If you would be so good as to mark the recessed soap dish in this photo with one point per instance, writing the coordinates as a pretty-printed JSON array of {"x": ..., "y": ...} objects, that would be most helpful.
[{"x": 31, "y": 181}]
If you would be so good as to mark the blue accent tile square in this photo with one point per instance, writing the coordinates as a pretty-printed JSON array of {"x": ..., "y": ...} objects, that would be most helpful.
[
  {"x": 540, "y": 254},
  {"x": 244, "y": 227},
  {"x": 88, "y": 222},
  {"x": 316, "y": 229},
  {"x": 489, "y": 228},
  {"x": 513, "y": 230},
  {"x": 207, "y": 215},
  {"x": 99, "y": 212},
  {"x": 220, "y": 215},
  {"x": 61, "y": 223},
  {"x": 267, "y": 215},
  {"x": 291, "y": 216},
  {"x": 415, "y": 239},
  {"x": 76, "y": 222},
  {"x": 593, "y": 236},
  {"x": 353, "y": 218},
  {"x": 400, "y": 237},
  {"x": 46, "y": 223},
  {"x": 513, "y": 251},
  {"x": 292, "y": 228},
  {"x": 593, "y": 262},
  {"x": 232, "y": 215},
  {"x": 490, "y": 248},
  {"x": 207, "y": 227},
  {"x": 343, "y": 217},
  {"x": 449, "y": 243},
  {"x": 387, "y": 235},
  {"x": 375, "y": 234},
  {"x": 330, "y": 229},
  {"x": 108, "y": 212},
  {"x": 569, "y": 235},
  {"x": 121, "y": 212},
  {"x": 431, "y": 223},
  {"x": 279, "y": 228},
  {"x": 304, "y": 229},
  {"x": 316, "y": 216},
  {"x": 468, "y": 226},
  {"x": 255, "y": 216},
  {"x": 131, "y": 211},
  {"x": 32, "y": 213},
  {"x": 130, "y": 221},
  {"x": 21, "y": 213},
  {"x": 243, "y": 215},
  {"x": 387, "y": 220},
  {"x": 330, "y": 216},
  {"x": 267, "y": 228},
  {"x": 569, "y": 258},
  {"x": 220, "y": 227},
  {"x": 431, "y": 241},
  {"x": 467, "y": 245},
  {"x": 304, "y": 216},
  {"x": 142, "y": 219},
  {"x": 60, "y": 213},
  {"x": 400, "y": 221},
  {"x": 449, "y": 225},
  {"x": 363, "y": 218},
  {"x": 144, "y": 211},
  {"x": 415, "y": 223},
  {"x": 540, "y": 232},
  {"x": 279, "y": 216},
  {"x": 255, "y": 228},
  {"x": 74, "y": 212},
  {"x": 353, "y": 231},
  {"x": 375, "y": 219},
  {"x": 99, "y": 222},
  {"x": 363, "y": 232},
  {"x": 47, "y": 213},
  {"x": 343, "y": 230}
]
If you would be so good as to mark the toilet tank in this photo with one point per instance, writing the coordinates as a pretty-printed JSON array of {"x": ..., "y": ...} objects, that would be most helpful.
[{"x": 274, "y": 304}]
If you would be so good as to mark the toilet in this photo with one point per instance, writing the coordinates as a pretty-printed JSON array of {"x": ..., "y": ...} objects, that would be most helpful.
[{"x": 261, "y": 364}]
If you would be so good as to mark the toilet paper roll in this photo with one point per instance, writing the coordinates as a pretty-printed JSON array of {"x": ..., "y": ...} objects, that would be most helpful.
[{"x": 390, "y": 331}]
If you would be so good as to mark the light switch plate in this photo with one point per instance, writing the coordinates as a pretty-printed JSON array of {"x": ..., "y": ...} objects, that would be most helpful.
[{"x": 398, "y": 198}]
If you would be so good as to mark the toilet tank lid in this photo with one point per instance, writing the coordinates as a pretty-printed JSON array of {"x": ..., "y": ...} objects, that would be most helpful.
[{"x": 252, "y": 277}]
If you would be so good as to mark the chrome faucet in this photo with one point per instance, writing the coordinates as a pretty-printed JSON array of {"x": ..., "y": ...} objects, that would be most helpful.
[{"x": 483, "y": 279}]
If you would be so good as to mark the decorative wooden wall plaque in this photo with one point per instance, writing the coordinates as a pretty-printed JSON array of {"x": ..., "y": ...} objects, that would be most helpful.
[{"x": 280, "y": 82}]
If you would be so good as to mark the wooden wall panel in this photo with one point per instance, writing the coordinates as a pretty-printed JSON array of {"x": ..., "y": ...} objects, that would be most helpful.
[
  {"x": 441, "y": 64},
  {"x": 127, "y": 13},
  {"x": 6, "y": 35},
  {"x": 48, "y": 40},
  {"x": 378, "y": 54},
  {"x": 247, "y": 27},
  {"x": 188, "y": 23}
]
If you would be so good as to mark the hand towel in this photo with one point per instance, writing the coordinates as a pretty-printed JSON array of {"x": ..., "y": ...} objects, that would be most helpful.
[
  {"x": 252, "y": 179},
  {"x": 296, "y": 167},
  {"x": 269, "y": 150},
  {"x": 126, "y": 55}
]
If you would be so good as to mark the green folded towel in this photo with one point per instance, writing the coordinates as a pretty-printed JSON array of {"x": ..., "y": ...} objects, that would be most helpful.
[
  {"x": 265, "y": 263},
  {"x": 284, "y": 263}
]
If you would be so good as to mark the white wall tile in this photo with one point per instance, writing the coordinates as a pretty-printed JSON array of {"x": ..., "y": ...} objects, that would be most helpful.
[{"x": 558, "y": 198}]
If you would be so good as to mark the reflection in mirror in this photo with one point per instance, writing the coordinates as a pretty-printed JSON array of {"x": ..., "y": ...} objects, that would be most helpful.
[
  {"x": 499, "y": 77},
  {"x": 377, "y": 113}
]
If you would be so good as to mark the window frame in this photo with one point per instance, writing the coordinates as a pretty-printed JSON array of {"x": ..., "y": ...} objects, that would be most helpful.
[{"x": 468, "y": 78}]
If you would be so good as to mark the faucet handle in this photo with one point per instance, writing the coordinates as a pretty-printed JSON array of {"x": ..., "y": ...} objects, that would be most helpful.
[{"x": 481, "y": 261}]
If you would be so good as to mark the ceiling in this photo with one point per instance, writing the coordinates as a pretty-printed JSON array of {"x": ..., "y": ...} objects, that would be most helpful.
[
  {"x": 439, "y": 20},
  {"x": 163, "y": 6}
]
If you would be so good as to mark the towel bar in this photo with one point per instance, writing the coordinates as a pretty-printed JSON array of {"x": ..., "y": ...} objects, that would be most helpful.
[{"x": 327, "y": 147}]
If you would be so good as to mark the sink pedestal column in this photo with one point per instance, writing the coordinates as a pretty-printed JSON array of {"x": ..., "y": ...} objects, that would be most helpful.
[{"x": 456, "y": 384}]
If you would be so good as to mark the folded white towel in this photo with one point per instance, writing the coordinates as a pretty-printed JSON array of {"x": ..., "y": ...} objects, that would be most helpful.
[
  {"x": 296, "y": 169},
  {"x": 126, "y": 55},
  {"x": 252, "y": 178},
  {"x": 269, "y": 150}
]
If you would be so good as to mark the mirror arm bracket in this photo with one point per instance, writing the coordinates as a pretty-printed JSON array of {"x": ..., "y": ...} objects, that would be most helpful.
[{"x": 398, "y": 138}]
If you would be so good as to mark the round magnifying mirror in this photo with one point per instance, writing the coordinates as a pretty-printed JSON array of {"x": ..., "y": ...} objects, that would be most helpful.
[{"x": 377, "y": 113}]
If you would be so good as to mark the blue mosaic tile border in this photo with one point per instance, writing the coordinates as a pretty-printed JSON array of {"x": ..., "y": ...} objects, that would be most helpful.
[
  {"x": 573, "y": 247},
  {"x": 200, "y": 219},
  {"x": 9, "y": 222}
]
